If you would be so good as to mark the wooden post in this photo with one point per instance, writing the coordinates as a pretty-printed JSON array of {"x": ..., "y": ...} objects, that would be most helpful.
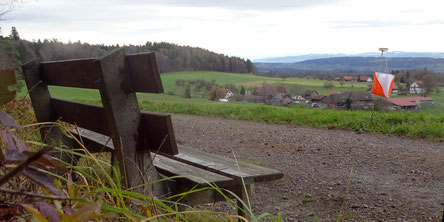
[
  {"x": 246, "y": 198},
  {"x": 41, "y": 102},
  {"x": 123, "y": 121}
]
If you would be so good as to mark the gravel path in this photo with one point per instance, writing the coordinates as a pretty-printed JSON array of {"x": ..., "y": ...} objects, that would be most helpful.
[{"x": 394, "y": 178}]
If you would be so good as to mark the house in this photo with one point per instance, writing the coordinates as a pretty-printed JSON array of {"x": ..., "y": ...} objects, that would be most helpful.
[
  {"x": 410, "y": 103},
  {"x": 349, "y": 79},
  {"x": 280, "y": 100},
  {"x": 395, "y": 89},
  {"x": 417, "y": 88},
  {"x": 318, "y": 100},
  {"x": 310, "y": 93},
  {"x": 299, "y": 100},
  {"x": 364, "y": 79},
  {"x": 229, "y": 94}
]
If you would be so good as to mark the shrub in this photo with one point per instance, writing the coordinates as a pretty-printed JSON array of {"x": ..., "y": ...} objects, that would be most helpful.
[
  {"x": 180, "y": 82},
  {"x": 216, "y": 93},
  {"x": 187, "y": 92},
  {"x": 329, "y": 85},
  {"x": 238, "y": 97}
]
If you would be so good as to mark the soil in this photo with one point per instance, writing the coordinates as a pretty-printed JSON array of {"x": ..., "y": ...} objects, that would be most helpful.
[{"x": 392, "y": 178}]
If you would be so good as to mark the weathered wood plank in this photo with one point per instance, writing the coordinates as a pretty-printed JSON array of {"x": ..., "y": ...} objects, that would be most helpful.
[
  {"x": 195, "y": 175},
  {"x": 144, "y": 72},
  {"x": 87, "y": 116},
  {"x": 80, "y": 73},
  {"x": 83, "y": 73},
  {"x": 154, "y": 127},
  {"x": 123, "y": 118},
  {"x": 226, "y": 165},
  {"x": 157, "y": 130}
]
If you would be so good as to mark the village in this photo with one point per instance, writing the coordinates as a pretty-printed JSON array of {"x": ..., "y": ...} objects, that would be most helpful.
[{"x": 278, "y": 95}]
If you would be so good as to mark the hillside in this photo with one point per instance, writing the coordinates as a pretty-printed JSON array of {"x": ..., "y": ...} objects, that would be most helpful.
[
  {"x": 170, "y": 57},
  {"x": 353, "y": 65}
]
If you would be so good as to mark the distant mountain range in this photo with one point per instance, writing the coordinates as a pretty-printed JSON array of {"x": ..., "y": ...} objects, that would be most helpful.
[
  {"x": 355, "y": 64},
  {"x": 300, "y": 58}
]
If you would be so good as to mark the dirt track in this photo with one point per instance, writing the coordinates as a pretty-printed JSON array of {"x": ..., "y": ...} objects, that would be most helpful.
[{"x": 394, "y": 178}]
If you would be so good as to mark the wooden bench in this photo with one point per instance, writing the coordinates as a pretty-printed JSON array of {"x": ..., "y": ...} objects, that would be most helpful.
[{"x": 136, "y": 136}]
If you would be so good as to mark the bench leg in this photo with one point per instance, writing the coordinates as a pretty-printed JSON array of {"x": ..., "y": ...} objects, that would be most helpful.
[{"x": 245, "y": 196}]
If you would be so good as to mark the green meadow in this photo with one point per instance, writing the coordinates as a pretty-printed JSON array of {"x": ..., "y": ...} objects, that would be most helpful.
[
  {"x": 427, "y": 123},
  {"x": 250, "y": 80}
]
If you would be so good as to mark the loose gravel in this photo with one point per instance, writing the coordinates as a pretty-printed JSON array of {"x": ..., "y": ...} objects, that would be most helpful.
[{"x": 392, "y": 178}]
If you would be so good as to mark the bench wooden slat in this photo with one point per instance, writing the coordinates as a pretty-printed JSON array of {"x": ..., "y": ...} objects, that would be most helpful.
[
  {"x": 83, "y": 115},
  {"x": 153, "y": 127},
  {"x": 144, "y": 72},
  {"x": 213, "y": 161},
  {"x": 195, "y": 175},
  {"x": 80, "y": 73},
  {"x": 84, "y": 73}
]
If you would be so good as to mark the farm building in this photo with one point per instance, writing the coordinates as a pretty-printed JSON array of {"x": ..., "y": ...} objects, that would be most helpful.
[
  {"x": 410, "y": 103},
  {"x": 333, "y": 92},
  {"x": 356, "y": 100},
  {"x": 349, "y": 78}
]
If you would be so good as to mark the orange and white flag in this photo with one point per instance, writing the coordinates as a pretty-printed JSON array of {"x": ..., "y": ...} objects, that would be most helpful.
[{"x": 382, "y": 84}]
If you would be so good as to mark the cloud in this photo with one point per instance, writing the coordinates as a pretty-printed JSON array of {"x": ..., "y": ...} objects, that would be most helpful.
[
  {"x": 366, "y": 24},
  {"x": 238, "y": 4}
]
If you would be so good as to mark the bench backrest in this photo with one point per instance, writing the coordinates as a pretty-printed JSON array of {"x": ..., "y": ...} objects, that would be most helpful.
[{"x": 118, "y": 77}]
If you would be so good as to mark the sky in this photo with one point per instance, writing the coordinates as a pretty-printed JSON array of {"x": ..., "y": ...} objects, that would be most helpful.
[{"x": 247, "y": 28}]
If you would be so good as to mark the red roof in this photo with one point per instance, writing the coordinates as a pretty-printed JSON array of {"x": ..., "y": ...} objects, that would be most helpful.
[
  {"x": 409, "y": 101},
  {"x": 419, "y": 83},
  {"x": 318, "y": 97},
  {"x": 333, "y": 92},
  {"x": 394, "y": 86},
  {"x": 348, "y": 77},
  {"x": 363, "y": 78}
]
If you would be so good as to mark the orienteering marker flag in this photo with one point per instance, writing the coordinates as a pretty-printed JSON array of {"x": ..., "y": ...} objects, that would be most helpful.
[{"x": 382, "y": 84}]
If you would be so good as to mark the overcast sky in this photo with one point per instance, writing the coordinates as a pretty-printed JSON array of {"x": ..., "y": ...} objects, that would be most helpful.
[{"x": 246, "y": 28}]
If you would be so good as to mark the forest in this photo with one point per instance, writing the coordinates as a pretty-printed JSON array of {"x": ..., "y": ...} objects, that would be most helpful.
[{"x": 170, "y": 57}]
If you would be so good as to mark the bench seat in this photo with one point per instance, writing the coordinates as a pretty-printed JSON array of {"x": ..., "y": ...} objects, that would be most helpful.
[{"x": 195, "y": 169}]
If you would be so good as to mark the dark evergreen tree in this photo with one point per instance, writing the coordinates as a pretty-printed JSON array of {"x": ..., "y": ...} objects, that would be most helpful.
[
  {"x": 14, "y": 34},
  {"x": 242, "y": 90}
]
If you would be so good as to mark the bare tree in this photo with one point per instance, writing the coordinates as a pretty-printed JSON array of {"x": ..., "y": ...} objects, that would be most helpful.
[
  {"x": 284, "y": 76},
  {"x": 7, "y": 6},
  {"x": 429, "y": 82}
]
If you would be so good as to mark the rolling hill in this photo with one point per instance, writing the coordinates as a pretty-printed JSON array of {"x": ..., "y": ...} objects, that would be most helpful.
[
  {"x": 353, "y": 65},
  {"x": 300, "y": 58}
]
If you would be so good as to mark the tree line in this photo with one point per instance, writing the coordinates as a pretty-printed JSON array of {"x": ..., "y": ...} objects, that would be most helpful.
[{"x": 170, "y": 57}]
